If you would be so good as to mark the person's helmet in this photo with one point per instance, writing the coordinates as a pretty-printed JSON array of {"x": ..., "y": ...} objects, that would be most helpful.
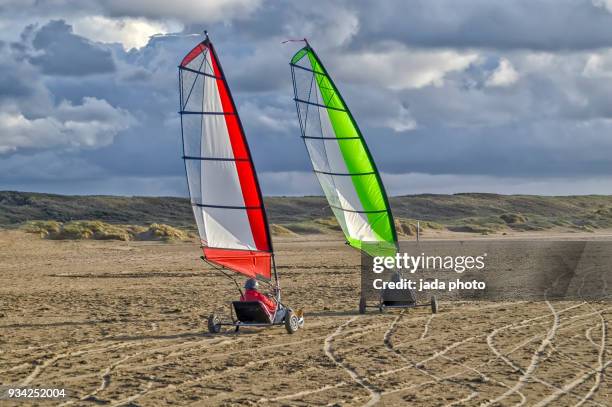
[{"x": 251, "y": 284}]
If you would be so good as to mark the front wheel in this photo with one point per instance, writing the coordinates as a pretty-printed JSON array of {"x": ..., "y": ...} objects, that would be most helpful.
[
  {"x": 362, "y": 305},
  {"x": 214, "y": 326},
  {"x": 292, "y": 322},
  {"x": 434, "y": 305}
]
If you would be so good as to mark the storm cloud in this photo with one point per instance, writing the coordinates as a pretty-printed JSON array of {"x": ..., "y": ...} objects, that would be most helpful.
[
  {"x": 451, "y": 96},
  {"x": 58, "y": 51}
]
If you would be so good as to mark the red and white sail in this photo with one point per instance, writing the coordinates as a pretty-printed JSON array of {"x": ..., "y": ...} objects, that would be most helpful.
[{"x": 223, "y": 187}]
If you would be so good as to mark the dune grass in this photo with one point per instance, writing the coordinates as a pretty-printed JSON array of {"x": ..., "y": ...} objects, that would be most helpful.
[
  {"x": 53, "y": 215},
  {"x": 97, "y": 230}
]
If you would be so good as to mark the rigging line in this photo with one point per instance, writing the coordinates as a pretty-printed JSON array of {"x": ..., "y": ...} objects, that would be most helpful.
[
  {"x": 193, "y": 84},
  {"x": 307, "y": 108},
  {"x": 219, "y": 269},
  {"x": 233, "y": 279},
  {"x": 331, "y": 90},
  {"x": 211, "y": 68},
  {"x": 332, "y": 94},
  {"x": 317, "y": 92},
  {"x": 202, "y": 123},
  {"x": 297, "y": 107},
  {"x": 333, "y": 181}
]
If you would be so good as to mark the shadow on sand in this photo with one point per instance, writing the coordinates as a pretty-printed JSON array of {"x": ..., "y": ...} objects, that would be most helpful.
[
  {"x": 332, "y": 313},
  {"x": 184, "y": 335}
]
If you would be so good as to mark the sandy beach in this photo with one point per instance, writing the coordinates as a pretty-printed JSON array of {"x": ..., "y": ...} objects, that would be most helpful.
[{"x": 122, "y": 323}]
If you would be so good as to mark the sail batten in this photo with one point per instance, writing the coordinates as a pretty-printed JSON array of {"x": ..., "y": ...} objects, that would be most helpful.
[
  {"x": 340, "y": 158},
  {"x": 225, "y": 194}
]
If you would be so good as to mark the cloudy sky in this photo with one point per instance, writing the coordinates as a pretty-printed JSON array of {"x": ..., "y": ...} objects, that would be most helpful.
[{"x": 452, "y": 96}]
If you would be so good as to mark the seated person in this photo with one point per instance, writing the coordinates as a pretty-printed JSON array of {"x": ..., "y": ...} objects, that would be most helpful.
[{"x": 251, "y": 293}]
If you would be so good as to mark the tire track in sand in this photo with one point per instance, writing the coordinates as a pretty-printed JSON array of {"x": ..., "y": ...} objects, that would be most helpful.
[
  {"x": 106, "y": 380},
  {"x": 129, "y": 400},
  {"x": 327, "y": 348},
  {"x": 82, "y": 351},
  {"x": 420, "y": 365},
  {"x": 533, "y": 364},
  {"x": 546, "y": 342},
  {"x": 106, "y": 373},
  {"x": 526, "y": 322},
  {"x": 570, "y": 386},
  {"x": 464, "y": 400},
  {"x": 325, "y": 388},
  {"x": 600, "y": 358},
  {"x": 339, "y": 384},
  {"x": 426, "y": 329},
  {"x": 468, "y": 368},
  {"x": 307, "y": 392},
  {"x": 495, "y": 351},
  {"x": 569, "y": 392},
  {"x": 150, "y": 391}
]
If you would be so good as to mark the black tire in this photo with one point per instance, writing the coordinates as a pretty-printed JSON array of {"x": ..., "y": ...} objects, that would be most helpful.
[
  {"x": 362, "y": 305},
  {"x": 381, "y": 308},
  {"x": 292, "y": 322},
  {"x": 434, "y": 305},
  {"x": 213, "y": 323}
]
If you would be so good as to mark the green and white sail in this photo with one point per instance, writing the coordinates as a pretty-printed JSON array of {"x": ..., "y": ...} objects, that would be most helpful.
[{"x": 341, "y": 159}]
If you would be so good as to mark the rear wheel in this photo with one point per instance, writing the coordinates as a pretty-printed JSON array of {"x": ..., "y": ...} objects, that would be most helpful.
[
  {"x": 362, "y": 305},
  {"x": 434, "y": 305},
  {"x": 214, "y": 326},
  {"x": 292, "y": 322}
]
